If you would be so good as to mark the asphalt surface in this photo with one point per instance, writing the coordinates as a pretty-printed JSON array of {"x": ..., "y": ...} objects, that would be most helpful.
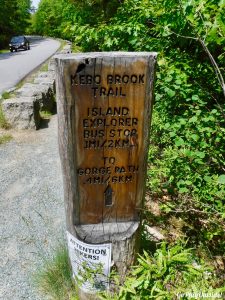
[
  {"x": 15, "y": 66},
  {"x": 32, "y": 219}
]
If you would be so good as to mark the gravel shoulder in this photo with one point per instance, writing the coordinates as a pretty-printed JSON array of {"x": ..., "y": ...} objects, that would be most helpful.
[{"x": 31, "y": 208}]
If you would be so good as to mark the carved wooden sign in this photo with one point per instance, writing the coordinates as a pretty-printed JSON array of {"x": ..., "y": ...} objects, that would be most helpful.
[{"x": 104, "y": 111}]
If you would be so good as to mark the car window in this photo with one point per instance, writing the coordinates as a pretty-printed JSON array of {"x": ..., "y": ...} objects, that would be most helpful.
[{"x": 17, "y": 39}]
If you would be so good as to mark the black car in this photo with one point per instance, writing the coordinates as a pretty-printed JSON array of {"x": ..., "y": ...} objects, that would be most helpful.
[{"x": 19, "y": 42}]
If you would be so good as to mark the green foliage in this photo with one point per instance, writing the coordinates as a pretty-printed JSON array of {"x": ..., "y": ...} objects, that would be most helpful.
[
  {"x": 5, "y": 138},
  {"x": 53, "y": 18},
  {"x": 45, "y": 114},
  {"x": 5, "y": 95},
  {"x": 186, "y": 161},
  {"x": 192, "y": 129},
  {"x": 187, "y": 152},
  {"x": 58, "y": 18},
  {"x": 3, "y": 122},
  {"x": 91, "y": 274},
  {"x": 170, "y": 272},
  {"x": 55, "y": 278},
  {"x": 14, "y": 17}
]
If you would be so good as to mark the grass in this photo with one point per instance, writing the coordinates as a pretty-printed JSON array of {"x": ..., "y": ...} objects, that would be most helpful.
[
  {"x": 5, "y": 138},
  {"x": 63, "y": 43},
  {"x": 55, "y": 278},
  {"x": 28, "y": 79},
  {"x": 76, "y": 48},
  {"x": 3, "y": 123},
  {"x": 6, "y": 95},
  {"x": 45, "y": 114},
  {"x": 44, "y": 67},
  {"x": 4, "y": 51},
  {"x": 171, "y": 270}
]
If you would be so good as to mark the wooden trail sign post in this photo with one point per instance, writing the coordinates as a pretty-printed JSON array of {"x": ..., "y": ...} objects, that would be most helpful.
[{"x": 104, "y": 110}]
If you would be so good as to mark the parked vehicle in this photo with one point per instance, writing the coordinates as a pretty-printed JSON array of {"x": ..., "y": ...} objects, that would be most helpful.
[{"x": 19, "y": 42}]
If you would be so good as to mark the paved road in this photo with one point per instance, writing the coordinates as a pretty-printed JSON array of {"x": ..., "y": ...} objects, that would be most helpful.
[
  {"x": 32, "y": 222},
  {"x": 15, "y": 66}
]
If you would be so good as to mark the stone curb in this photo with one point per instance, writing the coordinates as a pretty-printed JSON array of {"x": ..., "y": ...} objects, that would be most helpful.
[{"x": 23, "y": 111}]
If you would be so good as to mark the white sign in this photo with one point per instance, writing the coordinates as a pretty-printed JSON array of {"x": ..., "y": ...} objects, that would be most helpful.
[{"x": 90, "y": 264}]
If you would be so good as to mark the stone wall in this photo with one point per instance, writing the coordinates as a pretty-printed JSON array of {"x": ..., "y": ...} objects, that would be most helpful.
[{"x": 23, "y": 110}]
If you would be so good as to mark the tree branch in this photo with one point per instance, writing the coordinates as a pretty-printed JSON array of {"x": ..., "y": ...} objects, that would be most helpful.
[{"x": 214, "y": 64}]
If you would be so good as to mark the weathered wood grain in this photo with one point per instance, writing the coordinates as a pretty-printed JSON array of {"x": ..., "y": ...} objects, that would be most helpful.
[{"x": 104, "y": 111}]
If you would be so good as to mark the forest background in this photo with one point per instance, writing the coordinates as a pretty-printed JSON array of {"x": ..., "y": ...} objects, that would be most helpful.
[
  {"x": 186, "y": 162},
  {"x": 14, "y": 19}
]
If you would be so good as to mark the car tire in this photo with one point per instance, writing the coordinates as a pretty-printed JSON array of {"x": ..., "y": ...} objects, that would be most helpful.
[{"x": 16, "y": 50}]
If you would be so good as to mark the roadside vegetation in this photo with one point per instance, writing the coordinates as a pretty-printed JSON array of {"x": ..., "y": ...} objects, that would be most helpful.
[
  {"x": 5, "y": 138},
  {"x": 45, "y": 114},
  {"x": 172, "y": 272},
  {"x": 14, "y": 19},
  {"x": 3, "y": 122},
  {"x": 55, "y": 278},
  {"x": 5, "y": 95},
  {"x": 186, "y": 162}
]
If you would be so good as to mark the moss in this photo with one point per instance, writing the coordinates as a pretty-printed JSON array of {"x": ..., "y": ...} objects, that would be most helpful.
[{"x": 5, "y": 138}]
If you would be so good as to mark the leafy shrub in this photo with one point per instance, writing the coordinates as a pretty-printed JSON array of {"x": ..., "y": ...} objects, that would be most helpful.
[
  {"x": 14, "y": 15},
  {"x": 186, "y": 160},
  {"x": 171, "y": 272}
]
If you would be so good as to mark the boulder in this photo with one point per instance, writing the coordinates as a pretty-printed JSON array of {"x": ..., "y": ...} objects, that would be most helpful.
[
  {"x": 43, "y": 93},
  {"x": 22, "y": 113},
  {"x": 29, "y": 90},
  {"x": 50, "y": 82},
  {"x": 66, "y": 49},
  {"x": 43, "y": 74},
  {"x": 48, "y": 74},
  {"x": 52, "y": 65}
]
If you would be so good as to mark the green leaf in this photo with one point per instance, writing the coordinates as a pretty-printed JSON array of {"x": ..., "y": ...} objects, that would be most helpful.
[
  {"x": 172, "y": 134},
  {"x": 200, "y": 154},
  {"x": 221, "y": 179},
  {"x": 168, "y": 78},
  {"x": 170, "y": 93},
  {"x": 195, "y": 137},
  {"x": 193, "y": 119},
  {"x": 178, "y": 81},
  {"x": 182, "y": 121},
  {"x": 183, "y": 190},
  {"x": 207, "y": 178},
  {"x": 179, "y": 142},
  {"x": 195, "y": 98},
  {"x": 188, "y": 182}
]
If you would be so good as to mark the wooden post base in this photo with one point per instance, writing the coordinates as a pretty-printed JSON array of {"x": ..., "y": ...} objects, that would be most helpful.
[{"x": 124, "y": 237}]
